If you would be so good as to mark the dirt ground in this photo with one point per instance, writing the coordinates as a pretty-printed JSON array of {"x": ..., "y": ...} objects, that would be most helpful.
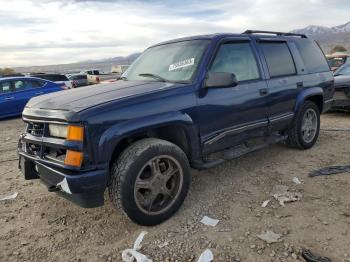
[{"x": 40, "y": 226}]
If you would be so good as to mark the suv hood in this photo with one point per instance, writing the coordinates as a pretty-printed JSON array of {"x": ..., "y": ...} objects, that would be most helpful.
[
  {"x": 70, "y": 102},
  {"x": 82, "y": 98}
]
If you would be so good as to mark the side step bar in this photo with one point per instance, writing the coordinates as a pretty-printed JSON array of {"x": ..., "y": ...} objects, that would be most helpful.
[{"x": 238, "y": 151}]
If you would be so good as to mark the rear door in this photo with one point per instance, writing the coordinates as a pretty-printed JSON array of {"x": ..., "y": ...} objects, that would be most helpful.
[
  {"x": 283, "y": 81},
  {"x": 230, "y": 116},
  {"x": 7, "y": 99},
  {"x": 25, "y": 90}
]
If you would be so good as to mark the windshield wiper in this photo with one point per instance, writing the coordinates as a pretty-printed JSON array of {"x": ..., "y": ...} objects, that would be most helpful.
[{"x": 157, "y": 77}]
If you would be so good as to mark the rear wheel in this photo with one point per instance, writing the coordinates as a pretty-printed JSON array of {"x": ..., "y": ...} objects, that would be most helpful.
[
  {"x": 150, "y": 181},
  {"x": 304, "y": 133}
]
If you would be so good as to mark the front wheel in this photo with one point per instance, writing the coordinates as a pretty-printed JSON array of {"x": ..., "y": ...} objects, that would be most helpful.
[
  {"x": 150, "y": 181},
  {"x": 306, "y": 128}
]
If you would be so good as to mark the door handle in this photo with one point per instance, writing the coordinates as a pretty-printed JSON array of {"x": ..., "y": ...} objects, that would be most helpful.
[
  {"x": 39, "y": 93},
  {"x": 263, "y": 91},
  {"x": 300, "y": 85},
  {"x": 9, "y": 98}
]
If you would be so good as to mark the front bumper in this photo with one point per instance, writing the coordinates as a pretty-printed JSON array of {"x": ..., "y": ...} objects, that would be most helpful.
[{"x": 83, "y": 188}]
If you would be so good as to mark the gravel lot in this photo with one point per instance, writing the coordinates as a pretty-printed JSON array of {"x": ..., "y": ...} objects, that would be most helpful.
[{"x": 40, "y": 226}]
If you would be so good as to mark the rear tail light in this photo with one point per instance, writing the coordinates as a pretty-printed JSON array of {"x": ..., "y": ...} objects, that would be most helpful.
[
  {"x": 97, "y": 79},
  {"x": 74, "y": 84}
]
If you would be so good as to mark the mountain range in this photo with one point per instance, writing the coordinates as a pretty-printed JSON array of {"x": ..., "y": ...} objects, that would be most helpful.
[
  {"x": 328, "y": 37},
  {"x": 104, "y": 65}
]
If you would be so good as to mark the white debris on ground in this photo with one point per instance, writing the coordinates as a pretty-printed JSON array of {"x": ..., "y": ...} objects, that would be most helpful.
[
  {"x": 265, "y": 203},
  {"x": 296, "y": 180},
  {"x": 208, "y": 221},
  {"x": 129, "y": 255},
  {"x": 282, "y": 195},
  {"x": 206, "y": 256},
  {"x": 9, "y": 197},
  {"x": 270, "y": 237},
  {"x": 163, "y": 244}
]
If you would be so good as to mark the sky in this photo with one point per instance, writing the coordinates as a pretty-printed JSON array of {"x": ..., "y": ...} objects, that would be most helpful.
[{"x": 44, "y": 32}]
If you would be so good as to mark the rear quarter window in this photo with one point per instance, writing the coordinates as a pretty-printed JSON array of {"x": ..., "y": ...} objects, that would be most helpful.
[
  {"x": 37, "y": 84},
  {"x": 313, "y": 57},
  {"x": 278, "y": 58}
]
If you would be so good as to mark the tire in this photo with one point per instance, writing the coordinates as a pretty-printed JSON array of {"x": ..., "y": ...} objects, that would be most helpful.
[
  {"x": 143, "y": 169},
  {"x": 296, "y": 137}
]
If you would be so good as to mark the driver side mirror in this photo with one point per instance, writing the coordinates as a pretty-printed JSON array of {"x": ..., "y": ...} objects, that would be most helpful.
[{"x": 221, "y": 80}]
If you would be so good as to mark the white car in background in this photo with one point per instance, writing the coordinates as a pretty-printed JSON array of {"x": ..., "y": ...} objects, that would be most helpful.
[
  {"x": 60, "y": 79},
  {"x": 95, "y": 76}
]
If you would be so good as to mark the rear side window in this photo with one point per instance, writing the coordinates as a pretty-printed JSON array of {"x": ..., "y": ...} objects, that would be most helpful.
[
  {"x": 5, "y": 87},
  {"x": 20, "y": 85},
  {"x": 236, "y": 58},
  {"x": 278, "y": 58},
  {"x": 37, "y": 84},
  {"x": 314, "y": 59}
]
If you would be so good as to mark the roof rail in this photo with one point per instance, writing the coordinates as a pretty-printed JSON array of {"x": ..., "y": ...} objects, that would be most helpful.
[{"x": 250, "y": 32}]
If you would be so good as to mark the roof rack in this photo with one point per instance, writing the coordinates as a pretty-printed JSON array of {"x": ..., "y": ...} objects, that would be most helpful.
[{"x": 250, "y": 32}]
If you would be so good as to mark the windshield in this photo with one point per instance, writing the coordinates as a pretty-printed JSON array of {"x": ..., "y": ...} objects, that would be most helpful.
[
  {"x": 343, "y": 70},
  {"x": 175, "y": 62}
]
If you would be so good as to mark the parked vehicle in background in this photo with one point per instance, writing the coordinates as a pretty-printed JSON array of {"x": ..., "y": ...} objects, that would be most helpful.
[
  {"x": 16, "y": 91},
  {"x": 59, "y": 79},
  {"x": 119, "y": 69},
  {"x": 191, "y": 102},
  {"x": 78, "y": 79},
  {"x": 342, "y": 88},
  {"x": 337, "y": 59},
  {"x": 96, "y": 76},
  {"x": 343, "y": 70}
]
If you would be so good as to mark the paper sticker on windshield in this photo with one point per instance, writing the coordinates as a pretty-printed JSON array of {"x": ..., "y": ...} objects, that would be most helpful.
[{"x": 181, "y": 64}]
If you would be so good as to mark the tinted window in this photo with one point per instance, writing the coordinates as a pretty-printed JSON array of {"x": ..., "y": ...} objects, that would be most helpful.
[
  {"x": 236, "y": 58},
  {"x": 5, "y": 87},
  {"x": 278, "y": 58},
  {"x": 37, "y": 84},
  {"x": 312, "y": 55},
  {"x": 19, "y": 85}
]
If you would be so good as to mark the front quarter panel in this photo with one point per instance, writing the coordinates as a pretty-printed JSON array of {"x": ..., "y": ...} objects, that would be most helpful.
[{"x": 112, "y": 122}]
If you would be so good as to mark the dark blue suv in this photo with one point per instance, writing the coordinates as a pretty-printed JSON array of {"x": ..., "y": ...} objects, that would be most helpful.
[{"x": 179, "y": 103}]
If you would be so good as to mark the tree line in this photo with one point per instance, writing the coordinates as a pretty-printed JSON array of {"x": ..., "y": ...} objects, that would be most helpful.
[{"x": 6, "y": 71}]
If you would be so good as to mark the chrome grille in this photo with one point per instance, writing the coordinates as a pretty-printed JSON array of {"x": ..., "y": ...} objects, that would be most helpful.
[{"x": 36, "y": 129}]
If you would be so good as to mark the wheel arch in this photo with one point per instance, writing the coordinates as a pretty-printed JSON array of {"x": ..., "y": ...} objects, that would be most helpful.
[
  {"x": 314, "y": 94},
  {"x": 176, "y": 128}
]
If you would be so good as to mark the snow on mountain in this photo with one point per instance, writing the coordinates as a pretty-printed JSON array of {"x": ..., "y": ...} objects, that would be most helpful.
[
  {"x": 318, "y": 30},
  {"x": 328, "y": 37}
]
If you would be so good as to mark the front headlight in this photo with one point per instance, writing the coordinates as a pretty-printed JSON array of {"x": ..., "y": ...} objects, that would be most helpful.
[
  {"x": 69, "y": 132},
  {"x": 58, "y": 130}
]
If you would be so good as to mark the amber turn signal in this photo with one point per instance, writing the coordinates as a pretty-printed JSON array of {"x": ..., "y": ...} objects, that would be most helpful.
[
  {"x": 75, "y": 133},
  {"x": 73, "y": 158}
]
